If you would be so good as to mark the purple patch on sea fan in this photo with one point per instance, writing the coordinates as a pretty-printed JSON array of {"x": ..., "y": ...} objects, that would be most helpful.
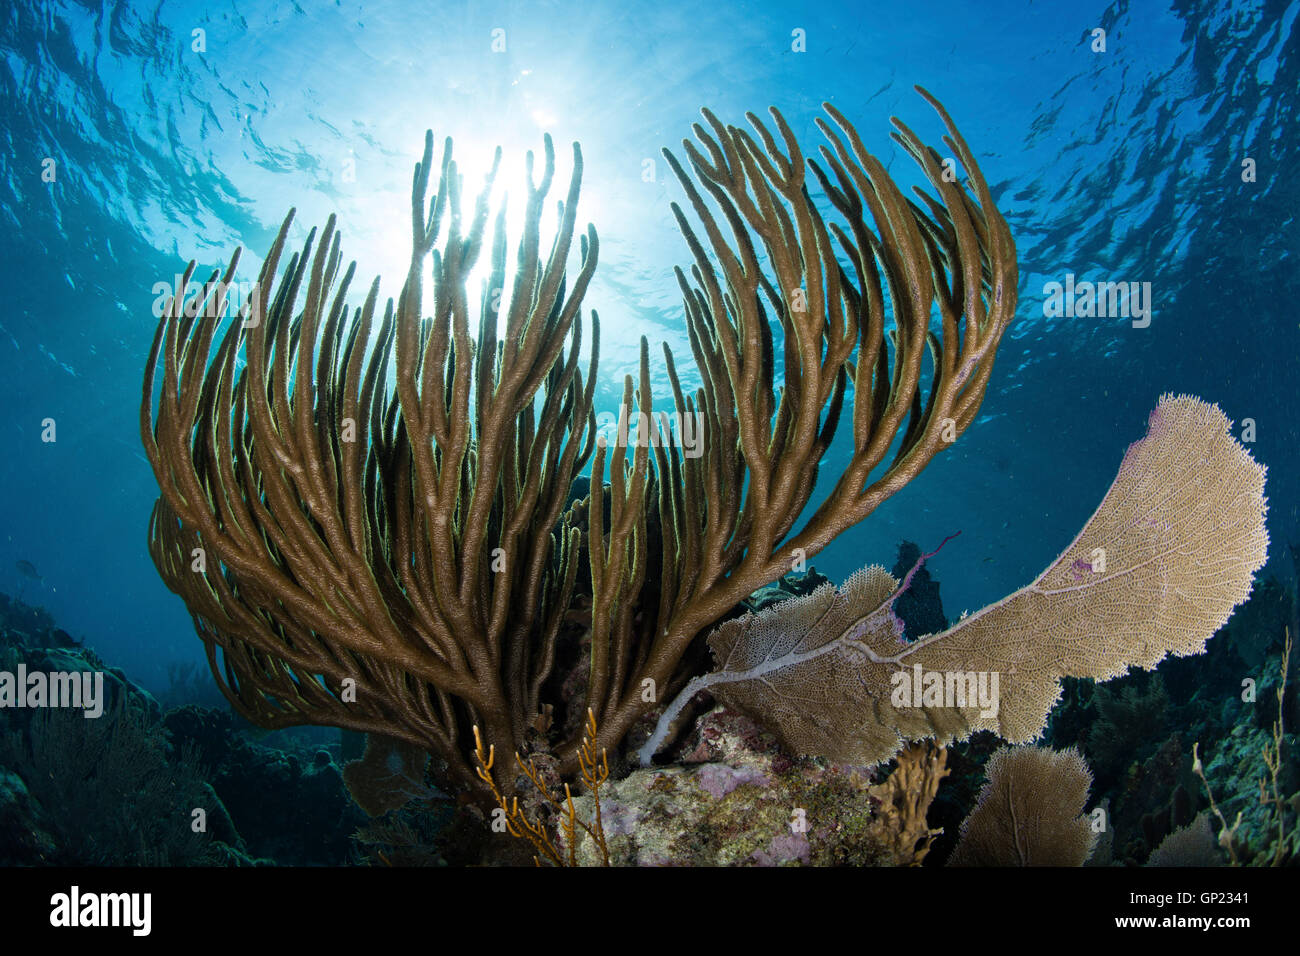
[{"x": 1156, "y": 423}]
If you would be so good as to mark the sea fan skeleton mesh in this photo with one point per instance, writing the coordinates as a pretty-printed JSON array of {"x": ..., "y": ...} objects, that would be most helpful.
[
  {"x": 1171, "y": 550},
  {"x": 1029, "y": 811}
]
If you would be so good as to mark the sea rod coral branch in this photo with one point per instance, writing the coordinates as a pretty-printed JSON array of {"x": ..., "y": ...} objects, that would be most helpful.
[{"x": 368, "y": 555}]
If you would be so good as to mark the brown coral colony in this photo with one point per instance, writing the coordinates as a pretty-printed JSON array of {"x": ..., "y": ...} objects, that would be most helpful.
[{"x": 370, "y": 512}]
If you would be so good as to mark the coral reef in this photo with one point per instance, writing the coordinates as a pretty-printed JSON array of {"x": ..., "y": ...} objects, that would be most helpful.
[
  {"x": 1147, "y": 778},
  {"x": 120, "y": 789},
  {"x": 28, "y": 626},
  {"x": 729, "y": 799},
  {"x": 290, "y": 807},
  {"x": 379, "y": 519},
  {"x": 1266, "y": 830},
  {"x": 118, "y": 797},
  {"x": 1121, "y": 707},
  {"x": 24, "y": 838},
  {"x": 1234, "y": 773}
]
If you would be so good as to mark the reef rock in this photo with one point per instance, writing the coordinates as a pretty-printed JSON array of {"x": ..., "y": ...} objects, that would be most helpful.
[{"x": 736, "y": 800}]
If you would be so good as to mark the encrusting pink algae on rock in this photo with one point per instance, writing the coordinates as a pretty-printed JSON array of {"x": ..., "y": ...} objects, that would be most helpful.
[{"x": 736, "y": 800}]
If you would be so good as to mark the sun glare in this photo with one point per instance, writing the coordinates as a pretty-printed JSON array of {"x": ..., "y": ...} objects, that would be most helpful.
[{"x": 383, "y": 245}]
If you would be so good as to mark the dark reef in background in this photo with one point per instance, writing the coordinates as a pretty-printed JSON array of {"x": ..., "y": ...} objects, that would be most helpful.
[
  {"x": 120, "y": 789},
  {"x": 1138, "y": 730}
]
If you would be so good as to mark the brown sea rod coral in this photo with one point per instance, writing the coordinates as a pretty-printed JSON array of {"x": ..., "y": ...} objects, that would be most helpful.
[{"x": 366, "y": 509}]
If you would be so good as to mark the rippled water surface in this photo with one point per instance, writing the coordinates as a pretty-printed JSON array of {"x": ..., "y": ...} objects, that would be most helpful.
[{"x": 180, "y": 130}]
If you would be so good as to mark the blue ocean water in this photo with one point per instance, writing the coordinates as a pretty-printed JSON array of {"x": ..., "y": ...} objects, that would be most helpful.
[{"x": 178, "y": 130}]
